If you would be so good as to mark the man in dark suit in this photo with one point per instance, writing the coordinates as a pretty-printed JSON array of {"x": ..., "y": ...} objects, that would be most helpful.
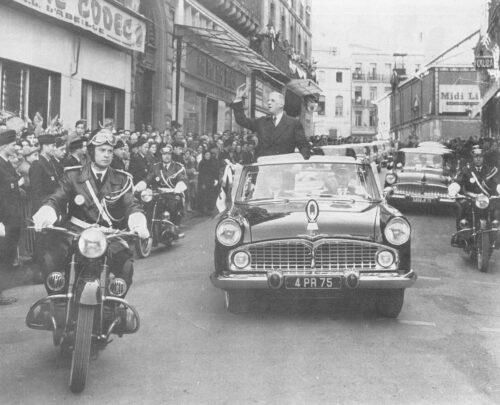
[
  {"x": 44, "y": 177},
  {"x": 139, "y": 166},
  {"x": 77, "y": 151},
  {"x": 276, "y": 133}
]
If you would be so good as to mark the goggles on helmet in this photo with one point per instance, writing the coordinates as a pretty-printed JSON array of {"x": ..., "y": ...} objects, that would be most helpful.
[
  {"x": 103, "y": 138},
  {"x": 475, "y": 152}
]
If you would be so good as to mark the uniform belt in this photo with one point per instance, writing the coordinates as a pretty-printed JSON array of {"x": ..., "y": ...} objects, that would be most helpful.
[{"x": 80, "y": 223}]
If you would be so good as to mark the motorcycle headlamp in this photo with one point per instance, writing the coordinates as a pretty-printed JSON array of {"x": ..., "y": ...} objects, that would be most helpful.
[
  {"x": 390, "y": 178},
  {"x": 117, "y": 287},
  {"x": 147, "y": 195},
  {"x": 482, "y": 202},
  {"x": 166, "y": 215},
  {"x": 397, "y": 231},
  {"x": 228, "y": 232},
  {"x": 92, "y": 243}
]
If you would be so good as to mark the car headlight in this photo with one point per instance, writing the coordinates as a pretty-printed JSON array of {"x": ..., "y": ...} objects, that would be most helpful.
[
  {"x": 55, "y": 281},
  {"x": 453, "y": 189},
  {"x": 397, "y": 231},
  {"x": 147, "y": 195},
  {"x": 482, "y": 201},
  {"x": 390, "y": 178},
  {"x": 241, "y": 259},
  {"x": 385, "y": 258},
  {"x": 92, "y": 243},
  {"x": 228, "y": 232}
]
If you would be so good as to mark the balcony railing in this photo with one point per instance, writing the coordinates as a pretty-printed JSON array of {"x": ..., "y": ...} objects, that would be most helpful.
[
  {"x": 362, "y": 102},
  {"x": 358, "y": 76},
  {"x": 371, "y": 77}
]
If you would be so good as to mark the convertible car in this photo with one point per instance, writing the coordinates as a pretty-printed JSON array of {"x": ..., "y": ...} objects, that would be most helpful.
[{"x": 316, "y": 228}]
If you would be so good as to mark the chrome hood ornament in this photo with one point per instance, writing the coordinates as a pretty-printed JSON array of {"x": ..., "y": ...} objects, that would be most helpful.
[{"x": 312, "y": 213}]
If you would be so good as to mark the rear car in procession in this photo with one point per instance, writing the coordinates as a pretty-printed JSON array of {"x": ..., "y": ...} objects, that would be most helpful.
[
  {"x": 421, "y": 175},
  {"x": 316, "y": 228}
]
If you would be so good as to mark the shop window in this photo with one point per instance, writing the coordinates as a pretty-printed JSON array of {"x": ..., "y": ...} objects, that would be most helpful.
[
  {"x": 27, "y": 90},
  {"x": 339, "y": 106},
  {"x": 339, "y": 77},
  {"x": 100, "y": 102}
]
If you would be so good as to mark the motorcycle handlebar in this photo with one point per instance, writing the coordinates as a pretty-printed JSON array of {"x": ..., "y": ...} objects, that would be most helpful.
[{"x": 108, "y": 232}]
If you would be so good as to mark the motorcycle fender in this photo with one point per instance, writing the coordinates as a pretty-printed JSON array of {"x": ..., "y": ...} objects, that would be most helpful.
[{"x": 88, "y": 292}]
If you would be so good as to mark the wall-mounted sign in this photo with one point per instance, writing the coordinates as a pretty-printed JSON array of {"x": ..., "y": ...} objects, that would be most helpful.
[
  {"x": 484, "y": 62},
  {"x": 97, "y": 16},
  {"x": 458, "y": 98}
]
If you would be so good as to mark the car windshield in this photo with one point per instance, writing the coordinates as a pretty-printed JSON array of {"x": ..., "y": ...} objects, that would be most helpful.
[
  {"x": 422, "y": 160},
  {"x": 334, "y": 181}
]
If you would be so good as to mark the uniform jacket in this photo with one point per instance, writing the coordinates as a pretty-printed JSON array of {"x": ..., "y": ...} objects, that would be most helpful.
[
  {"x": 10, "y": 195},
  {"x": 281, "y": 139},
  {"x": 162, "y": 177},
  {"x": 74, "y": 192},
  {"x": 59, "y": 165},
  {"x": 487, "y": 178},
  {"x": 44, "y": 180},
  {"x": 138, "y": 167},
  {"x": 71, "y": 161}
]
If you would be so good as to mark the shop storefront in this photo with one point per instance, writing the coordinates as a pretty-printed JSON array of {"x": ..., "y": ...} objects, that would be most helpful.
[
  {"x": 208, "y": 87},
  {"x": 73, "y": 62}
]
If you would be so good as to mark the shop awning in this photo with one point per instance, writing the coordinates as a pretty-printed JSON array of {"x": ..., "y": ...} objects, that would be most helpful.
[
  {"x": 304, "y": 87},
  {"x": 225, "y": 44}
]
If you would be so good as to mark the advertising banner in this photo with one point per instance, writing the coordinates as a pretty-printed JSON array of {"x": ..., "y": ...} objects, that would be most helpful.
[
  {"x": 97, "y": 16},
  {"x": 458, "y": 98}
]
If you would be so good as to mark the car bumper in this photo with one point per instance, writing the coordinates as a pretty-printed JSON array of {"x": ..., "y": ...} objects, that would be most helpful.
[{"x": 261, "y": 281}]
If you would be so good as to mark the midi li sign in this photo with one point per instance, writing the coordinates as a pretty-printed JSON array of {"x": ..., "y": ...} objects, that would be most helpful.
[{"x": 115, "y": 24}]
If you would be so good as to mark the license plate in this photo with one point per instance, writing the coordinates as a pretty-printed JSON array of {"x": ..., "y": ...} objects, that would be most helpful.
[
  {"x": 315, "y": 282},
  {"x": 421, "y": 199}
]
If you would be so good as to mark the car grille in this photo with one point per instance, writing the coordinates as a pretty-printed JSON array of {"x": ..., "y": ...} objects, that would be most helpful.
[
  {"x": 329, "y": 255},
  {"x": 422, "y": 190}
]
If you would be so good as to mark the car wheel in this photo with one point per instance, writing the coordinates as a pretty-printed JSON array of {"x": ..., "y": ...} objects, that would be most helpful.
[
  {"x": 241, "y": 301},
  {"x": 389, "y": 302}
]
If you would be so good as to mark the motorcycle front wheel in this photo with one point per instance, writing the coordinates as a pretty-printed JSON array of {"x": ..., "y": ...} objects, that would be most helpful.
[
  {"x": 483, "y": 252},
  {"x": 81, "y": 352}
]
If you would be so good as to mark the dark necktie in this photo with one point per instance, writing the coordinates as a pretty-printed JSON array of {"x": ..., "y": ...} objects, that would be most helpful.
[
  {"x": 274, "y": 120},
  {"x": 99, "y": 179}
]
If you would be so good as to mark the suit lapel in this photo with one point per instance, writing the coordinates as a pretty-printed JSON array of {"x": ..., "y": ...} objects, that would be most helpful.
[{"x": 281, "y": 128}]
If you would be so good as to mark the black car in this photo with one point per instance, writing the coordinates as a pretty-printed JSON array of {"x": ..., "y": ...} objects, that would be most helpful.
[{"x": 311, "y": 228}]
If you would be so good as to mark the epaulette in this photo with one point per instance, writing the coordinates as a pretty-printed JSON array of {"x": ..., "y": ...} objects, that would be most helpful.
[
  {"x": 72, "y": 167},
  {"x": 123, "y": 172}
]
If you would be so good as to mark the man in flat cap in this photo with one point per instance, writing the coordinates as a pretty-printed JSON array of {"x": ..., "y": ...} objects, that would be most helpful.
[
  {"x": 59, "y": 156},
  {"x": 77, "y": 149},
  {"x": 10, "y": 197},
  {"x": 119, "y": 153},
  {"x": 138, "y": 163},
  {"x": 44, "y": 178}
]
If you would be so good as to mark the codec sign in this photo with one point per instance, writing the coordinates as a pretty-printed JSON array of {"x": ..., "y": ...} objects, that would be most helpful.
[{"x": 97, "y": 16}]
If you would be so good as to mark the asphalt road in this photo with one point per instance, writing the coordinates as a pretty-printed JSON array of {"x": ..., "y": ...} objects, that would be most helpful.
[{"x": 443, "y": 349}]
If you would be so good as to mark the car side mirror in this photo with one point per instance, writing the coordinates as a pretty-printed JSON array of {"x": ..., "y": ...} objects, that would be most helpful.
[
  {"x": 390, "y": 165},
  {"x": 399, "y": 165}
]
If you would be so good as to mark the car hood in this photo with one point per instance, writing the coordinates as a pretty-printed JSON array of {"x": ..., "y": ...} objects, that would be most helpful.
[
  {"x": 418, "y": 177},
  {"x": 288, "y": 220}
]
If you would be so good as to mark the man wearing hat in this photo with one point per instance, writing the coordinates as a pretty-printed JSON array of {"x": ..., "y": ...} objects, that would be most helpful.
[
  {"x": 138, "y": 167},
  {"x": 59, "y": 156},
  {"x": 10, "y": 214},
  {"x": 170, "y": 174},
  {"x": 44, "y": 178},
  {"x": 119, "y": 154},
  {"x": 475, "y": 177},
  {"x": 77, "y": 151}
]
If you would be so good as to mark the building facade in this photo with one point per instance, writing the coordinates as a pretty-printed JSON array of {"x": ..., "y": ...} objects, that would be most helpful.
[
  {"x": 223, "y": 44},
  {"x": 436, "y": 105},
  {"x": 487, "y": 63},
  {"x": 73, "y": 62}
]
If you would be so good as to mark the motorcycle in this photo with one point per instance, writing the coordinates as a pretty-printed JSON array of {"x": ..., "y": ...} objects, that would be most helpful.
[
  {"x": 87, "y": 304},
  {"x": 160, "y": 225},
  {"x": 478, "y": 236}
]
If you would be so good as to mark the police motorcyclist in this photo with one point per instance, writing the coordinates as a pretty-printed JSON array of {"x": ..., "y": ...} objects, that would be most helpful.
[
  {"x": 474, "y": 178},
  {"x": 95, "y": 193},
  {"x": 169, "y": 174}
]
